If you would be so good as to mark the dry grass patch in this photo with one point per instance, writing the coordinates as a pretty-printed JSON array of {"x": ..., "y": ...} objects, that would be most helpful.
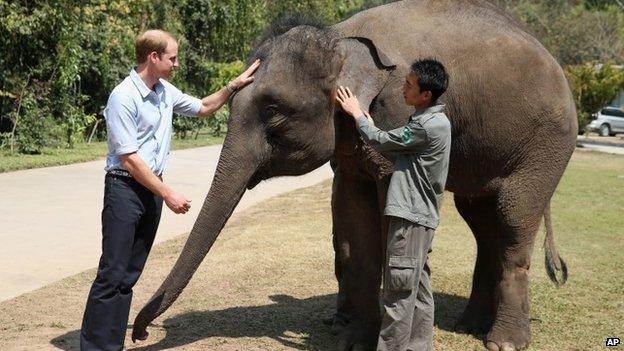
[{"x": 268, "y": 281}]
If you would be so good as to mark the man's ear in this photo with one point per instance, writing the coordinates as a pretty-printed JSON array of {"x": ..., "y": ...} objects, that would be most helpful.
[
  {"x": 152, "y": 56},
  {"x": 428, "y": 95}
]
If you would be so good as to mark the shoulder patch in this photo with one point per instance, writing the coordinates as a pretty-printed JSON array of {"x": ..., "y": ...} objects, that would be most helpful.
[{"x": 407, "y": 135}]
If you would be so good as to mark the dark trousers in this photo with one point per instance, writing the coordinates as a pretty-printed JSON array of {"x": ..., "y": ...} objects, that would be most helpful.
[{"x": 130, "y": 219}]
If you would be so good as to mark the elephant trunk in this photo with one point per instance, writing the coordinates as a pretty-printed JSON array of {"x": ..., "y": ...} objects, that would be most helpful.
[{"x": 239, "y": 159}]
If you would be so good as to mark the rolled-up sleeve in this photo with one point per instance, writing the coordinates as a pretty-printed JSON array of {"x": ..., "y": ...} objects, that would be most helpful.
[
  {"x": 185, "y": 104},
  {"x": 411, "y": 137},
  {"x": 121, "y": 124}
]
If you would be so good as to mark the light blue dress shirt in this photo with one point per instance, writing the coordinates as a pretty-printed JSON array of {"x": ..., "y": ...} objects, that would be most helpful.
[{"x": 139, "y": 120}]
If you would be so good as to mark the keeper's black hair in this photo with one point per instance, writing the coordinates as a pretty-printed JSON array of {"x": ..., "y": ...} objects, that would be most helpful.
[{"x": 432, "y": 77}]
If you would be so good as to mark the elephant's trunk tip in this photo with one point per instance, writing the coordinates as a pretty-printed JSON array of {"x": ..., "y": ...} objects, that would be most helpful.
[
  {"x": 139, "y": 333},
  {"x": 145, "y": 317}
]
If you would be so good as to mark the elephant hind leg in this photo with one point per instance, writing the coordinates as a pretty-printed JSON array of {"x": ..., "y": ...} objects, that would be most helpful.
[
  {"x": 480, "y": 215},
  {"x": 520, "y": 207}
]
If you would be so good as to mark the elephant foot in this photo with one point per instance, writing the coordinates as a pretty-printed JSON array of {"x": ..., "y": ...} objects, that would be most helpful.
[
  {"x": 357, "y": 338},
  {"x": 336, "y": 322},
  {"x": 506, "y": 336},
  {"x": 476, "y": 321},
  {"x": 492, "y": 346}
]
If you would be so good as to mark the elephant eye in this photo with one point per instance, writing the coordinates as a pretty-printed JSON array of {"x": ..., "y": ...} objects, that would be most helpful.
[{"x": 272, "y": 109}]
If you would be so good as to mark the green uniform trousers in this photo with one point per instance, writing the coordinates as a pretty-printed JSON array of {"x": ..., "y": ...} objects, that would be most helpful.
[{"x": 407, "y": 321}]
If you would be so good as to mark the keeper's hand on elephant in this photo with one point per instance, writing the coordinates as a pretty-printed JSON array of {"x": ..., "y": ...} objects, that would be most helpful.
[{"x": 349, "y": 103}]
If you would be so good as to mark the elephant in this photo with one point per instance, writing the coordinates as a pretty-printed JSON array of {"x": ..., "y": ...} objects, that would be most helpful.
[{"x": 514, "y": 129}]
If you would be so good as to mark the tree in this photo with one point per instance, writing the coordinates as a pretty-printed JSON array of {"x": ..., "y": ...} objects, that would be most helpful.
[{"x": 594, "y": 86}]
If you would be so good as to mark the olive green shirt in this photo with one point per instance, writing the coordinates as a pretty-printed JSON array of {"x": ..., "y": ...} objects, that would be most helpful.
[{"x": 422, "y": 149}]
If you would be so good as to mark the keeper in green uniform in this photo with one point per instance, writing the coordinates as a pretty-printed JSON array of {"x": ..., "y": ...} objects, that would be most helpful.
[{"x": 422, "y": 149}]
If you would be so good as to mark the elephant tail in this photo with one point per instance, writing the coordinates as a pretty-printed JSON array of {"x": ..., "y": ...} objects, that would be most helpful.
[{"x": 554, "y": 262}]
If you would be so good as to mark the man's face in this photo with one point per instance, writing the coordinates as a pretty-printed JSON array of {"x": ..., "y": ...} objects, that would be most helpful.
[
  {"x": 167, "y": 62},
  {"x": 412, "y": 94}
]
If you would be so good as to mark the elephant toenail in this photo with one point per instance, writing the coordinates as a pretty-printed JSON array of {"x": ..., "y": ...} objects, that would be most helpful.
[
  {"x": 492, "y": 346},
  {"x": 508, "y": 347}
]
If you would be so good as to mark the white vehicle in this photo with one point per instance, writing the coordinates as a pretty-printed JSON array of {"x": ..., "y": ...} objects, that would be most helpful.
[{"x": 607, "y": 122}]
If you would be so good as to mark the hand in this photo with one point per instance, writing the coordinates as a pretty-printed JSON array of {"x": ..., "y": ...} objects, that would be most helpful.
[
  {"x": 245, "y": 77},
  {"x": 349, "y": 102},
  {"x": 177, "y": 203}
]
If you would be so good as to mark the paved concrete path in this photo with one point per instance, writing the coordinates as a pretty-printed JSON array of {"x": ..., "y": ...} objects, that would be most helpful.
[
  {"x": 618, "y": 150},
  {"x": 610, "y": 145},
  {"x": 50, "y": 217}
]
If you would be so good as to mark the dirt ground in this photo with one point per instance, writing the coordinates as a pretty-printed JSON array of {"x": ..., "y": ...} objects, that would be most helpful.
[{"x": 268, "y": 281}]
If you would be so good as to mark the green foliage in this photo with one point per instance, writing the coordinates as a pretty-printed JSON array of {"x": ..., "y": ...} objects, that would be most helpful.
[
  {"x": 69, "y": 54},
  {"x": 594, "y": 86},
  {"x": 207, "y": 77},
  {"x": 62, "y": 58},
  {"x": 328, "y": 10},
  {"x": 222, "y": 30},
  {"x": 574, "y": 31},
  {"x": 31, "y": 126}
]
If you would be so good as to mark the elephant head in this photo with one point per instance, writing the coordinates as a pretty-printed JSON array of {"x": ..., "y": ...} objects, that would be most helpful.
[{"x": 282, "y": 124}]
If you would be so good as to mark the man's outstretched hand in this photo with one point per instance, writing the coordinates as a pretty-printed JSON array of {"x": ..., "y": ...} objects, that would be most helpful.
[{"x": 245, "y": 77}]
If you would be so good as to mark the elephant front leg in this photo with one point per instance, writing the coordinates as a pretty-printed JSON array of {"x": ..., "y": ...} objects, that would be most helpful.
[{"x": 358, "y": 242}]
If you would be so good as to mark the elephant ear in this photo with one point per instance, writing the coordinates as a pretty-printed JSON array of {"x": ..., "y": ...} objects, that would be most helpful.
[
  {"x": 365, "y": 68},
  {"x": 380, "y": 57}
]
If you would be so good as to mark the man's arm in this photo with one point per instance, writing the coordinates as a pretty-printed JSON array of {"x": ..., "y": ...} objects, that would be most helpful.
[
  {"x": 141, "y": 173},
  {"x": 407, "y": 138},
  {"x": 213, "y": 102}
]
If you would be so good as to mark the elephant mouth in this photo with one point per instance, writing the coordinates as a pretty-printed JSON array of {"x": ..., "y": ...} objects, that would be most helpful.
[
  {"x": 253, "y": 181},
  {"x": 258, "y": 176}
]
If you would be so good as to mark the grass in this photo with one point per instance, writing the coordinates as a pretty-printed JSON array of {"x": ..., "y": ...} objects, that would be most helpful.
[
  {"x": 268, "y": 281},
  {"x": 83, "y": 152}
]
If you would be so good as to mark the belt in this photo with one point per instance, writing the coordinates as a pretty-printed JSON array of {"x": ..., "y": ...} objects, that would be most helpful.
[
  {"x": 120, "y": 172},
  {"x": 124, "y": 173}
]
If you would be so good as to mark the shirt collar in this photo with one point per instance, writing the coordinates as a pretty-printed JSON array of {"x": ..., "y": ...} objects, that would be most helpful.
[
  {"x": 140, "y": 84},
  {"x": 429, "y": 110}
]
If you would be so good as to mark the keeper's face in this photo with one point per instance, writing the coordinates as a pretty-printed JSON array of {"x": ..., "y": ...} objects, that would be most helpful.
[{"x": 412, "y": 94}]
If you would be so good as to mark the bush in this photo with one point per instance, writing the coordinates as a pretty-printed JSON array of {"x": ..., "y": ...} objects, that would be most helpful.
[
  {"x": 67, "y": 53},
  {"x": 593, "y": 86},
  {"x": 206, "y": 78},
  {"x": 222, "y": 30}
]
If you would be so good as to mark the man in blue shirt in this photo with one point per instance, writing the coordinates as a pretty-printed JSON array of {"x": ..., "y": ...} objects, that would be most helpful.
[
  {"x": 139, "y": 124},
  {"x": 422, "y": 149}
]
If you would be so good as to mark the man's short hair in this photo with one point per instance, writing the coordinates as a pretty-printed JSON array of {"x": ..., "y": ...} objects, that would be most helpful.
[
  {"x": 432, "y": 77},
  {"x": 153, "y": 40}
]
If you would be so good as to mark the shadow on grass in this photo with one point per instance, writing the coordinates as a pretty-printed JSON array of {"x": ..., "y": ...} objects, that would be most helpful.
[{"x": 285, "y": 320}]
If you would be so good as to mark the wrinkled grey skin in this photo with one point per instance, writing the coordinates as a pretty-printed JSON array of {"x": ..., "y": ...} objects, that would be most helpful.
[{"x": 514, "y": 129}]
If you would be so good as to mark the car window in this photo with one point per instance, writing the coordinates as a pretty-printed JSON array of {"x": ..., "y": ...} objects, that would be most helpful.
[{"x": 612, "y": 112}]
